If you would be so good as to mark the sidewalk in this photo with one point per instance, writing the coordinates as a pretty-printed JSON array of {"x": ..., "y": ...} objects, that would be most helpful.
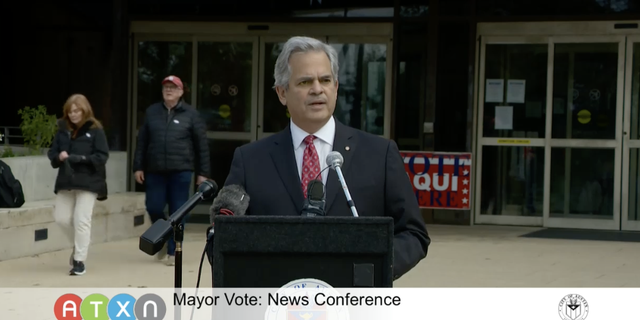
[{"x": 478, "y": 256}]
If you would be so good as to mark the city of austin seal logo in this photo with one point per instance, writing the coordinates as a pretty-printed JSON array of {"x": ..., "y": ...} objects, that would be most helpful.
[{"x": 573, "y": 307}]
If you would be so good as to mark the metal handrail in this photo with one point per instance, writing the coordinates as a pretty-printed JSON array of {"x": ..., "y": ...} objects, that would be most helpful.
[{"x": 8, "y": 135}]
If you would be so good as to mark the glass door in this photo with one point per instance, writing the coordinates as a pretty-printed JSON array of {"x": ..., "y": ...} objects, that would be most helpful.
[
  {"x": 585, "y": 146},
  {"x": 364, "y": 95},
  {"x": 631, "y": 138},
  {"x": 364, "y": 92},
  {"x": 511, "y": 126},
  {"x": 226, "y": 78},
  {"x": 558, "y": 126},
  {"x": 228, "y": 73},
  {"x": 156, "y": 57},
  {"x": 272, "y": 116}
]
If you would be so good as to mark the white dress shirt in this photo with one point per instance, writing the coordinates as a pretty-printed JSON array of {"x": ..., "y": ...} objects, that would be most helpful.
[{"x": 323, "y": 144}]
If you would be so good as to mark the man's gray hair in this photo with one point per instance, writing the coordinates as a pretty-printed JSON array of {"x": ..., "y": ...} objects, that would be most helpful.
[{"x": 282, "y": 70}]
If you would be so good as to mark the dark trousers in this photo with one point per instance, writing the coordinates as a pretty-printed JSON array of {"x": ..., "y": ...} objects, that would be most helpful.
[{"x": 167, "y": 188}]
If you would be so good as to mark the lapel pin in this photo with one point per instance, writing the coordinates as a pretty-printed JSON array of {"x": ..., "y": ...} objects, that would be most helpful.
[{"x": 346, "y": 148}]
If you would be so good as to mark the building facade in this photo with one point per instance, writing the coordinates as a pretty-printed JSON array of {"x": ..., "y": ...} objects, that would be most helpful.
[{"x": 544, "y": 94}]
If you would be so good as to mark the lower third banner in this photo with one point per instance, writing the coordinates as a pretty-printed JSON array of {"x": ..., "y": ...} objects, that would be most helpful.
[
  {"x": 441, "y": 180},
  {"x": 319, "y": 303}
]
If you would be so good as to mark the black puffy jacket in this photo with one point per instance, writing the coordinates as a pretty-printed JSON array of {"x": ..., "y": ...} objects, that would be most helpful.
[
  {"x": 85, "y": 169},
  {"x": 172, "y": 140}
]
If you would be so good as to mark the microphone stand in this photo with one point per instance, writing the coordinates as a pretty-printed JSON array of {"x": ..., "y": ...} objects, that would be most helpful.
[
  {"x": 334, "y": 160},
  {"x": 152, "y": 240},
  {"x": 346, "y": 190},
  {"x": 178, "y": 236}
]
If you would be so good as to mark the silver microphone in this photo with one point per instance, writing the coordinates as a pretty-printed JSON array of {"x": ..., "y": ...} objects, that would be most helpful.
[{"x": 335, "y": 160}]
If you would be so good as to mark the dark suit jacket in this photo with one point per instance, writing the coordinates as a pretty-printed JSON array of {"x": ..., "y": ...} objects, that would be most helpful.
[{"x": 374, "y": 172}]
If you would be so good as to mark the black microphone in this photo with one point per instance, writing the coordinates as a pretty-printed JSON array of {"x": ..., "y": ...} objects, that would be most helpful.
[
  {"x": 314, "y": 203},
  {"x": 232, "y": 200},
  {"x": 152, "y": 240}
]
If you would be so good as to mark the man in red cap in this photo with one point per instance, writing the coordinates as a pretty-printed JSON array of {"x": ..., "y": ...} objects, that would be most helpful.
[
  {"x": 175, "y": 81},
  {"x": 172, "y": 146}
]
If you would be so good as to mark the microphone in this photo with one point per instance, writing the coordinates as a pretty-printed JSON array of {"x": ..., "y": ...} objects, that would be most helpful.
[
  {"x": 232, "y": 200},
  {"x": 314, "y": 203},
  {"x": 152, "y": 240},
  {"x": 335, "y": 160}
]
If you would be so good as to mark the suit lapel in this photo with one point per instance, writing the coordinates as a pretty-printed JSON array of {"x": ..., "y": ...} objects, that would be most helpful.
[
  {"x": 342, "y": 141},
  {"x": 285, "y": 162}
]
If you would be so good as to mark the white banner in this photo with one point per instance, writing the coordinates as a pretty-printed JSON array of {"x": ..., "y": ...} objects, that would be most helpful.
[{"x": 312, "y": 300}]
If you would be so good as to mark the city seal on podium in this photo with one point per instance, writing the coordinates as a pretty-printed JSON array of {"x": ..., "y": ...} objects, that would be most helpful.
[
  {"x": 304, "y": 299},
  {"x": 573, "y": 307}
]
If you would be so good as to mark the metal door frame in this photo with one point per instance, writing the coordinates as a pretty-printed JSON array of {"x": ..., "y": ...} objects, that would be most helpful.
[
  {"x": 490, "y": 141},
  {"x": 628, "y": 144},
  {"x": 561, "y": 32},
  {"x": 615, "y": 144}
]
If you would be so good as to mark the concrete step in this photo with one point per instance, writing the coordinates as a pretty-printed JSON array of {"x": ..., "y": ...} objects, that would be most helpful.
[{"x": 31, "y": 229}]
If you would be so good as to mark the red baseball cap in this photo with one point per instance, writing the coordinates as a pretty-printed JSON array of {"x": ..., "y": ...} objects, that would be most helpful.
[{"x": 175, "y": 80}]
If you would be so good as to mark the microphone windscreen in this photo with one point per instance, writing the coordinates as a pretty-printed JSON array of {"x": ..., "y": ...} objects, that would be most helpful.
[
  {"x": 316, "y": 190},
  {"x": 233, "y": 198},
  {"x": 334, "y": 158}
]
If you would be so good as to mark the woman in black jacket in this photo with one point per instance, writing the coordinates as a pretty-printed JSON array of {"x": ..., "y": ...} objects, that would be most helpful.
[{"x": 80, "y": 152}]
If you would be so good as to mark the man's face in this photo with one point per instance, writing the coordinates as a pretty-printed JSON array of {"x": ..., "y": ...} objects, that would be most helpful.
[
  {"x": 171, "y": 92},
  {"x": 312, "y": 92}
]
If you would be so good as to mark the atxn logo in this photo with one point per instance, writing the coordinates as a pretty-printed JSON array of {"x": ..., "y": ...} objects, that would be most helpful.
[{"x": 121, "y": 307}]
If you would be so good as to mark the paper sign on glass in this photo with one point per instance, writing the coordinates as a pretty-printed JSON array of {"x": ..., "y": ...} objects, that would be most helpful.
[
  {"x": 504, "y": 118},
  {"x": 515, "y": 91},
  {"x": 494, "y": 90}
]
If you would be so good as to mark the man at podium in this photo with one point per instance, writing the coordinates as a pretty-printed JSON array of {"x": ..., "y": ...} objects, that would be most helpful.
[{"x": 275, "y": 171}]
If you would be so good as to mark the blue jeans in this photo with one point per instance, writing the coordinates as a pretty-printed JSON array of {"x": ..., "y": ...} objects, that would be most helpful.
[{"x": 166, "y": 188}]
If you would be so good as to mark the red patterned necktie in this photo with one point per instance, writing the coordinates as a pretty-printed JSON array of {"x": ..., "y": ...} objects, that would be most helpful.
[{"x": 310, "y": 164}]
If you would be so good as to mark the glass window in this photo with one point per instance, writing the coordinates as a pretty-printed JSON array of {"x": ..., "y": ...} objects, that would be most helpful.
[
  {"x": 362, "y": 79},
  {"x": 585, "y": 81},
  {"x": 156, "y": 60},
  {"x": 452, "y": 120},
  {"x": 556, "y": 8},
  {"x": 411, "y": 79},
  {"x": 282, "y": 8},
  {"x": 224, "y": 85},
  {"x": 634, "y": 153},
  {"x": 512, "y": 181},
  {"x": 275, "y": 115},
  {"x": 515, "y": 88},
  {"x": 414, "y": 8},
  {"x": 582, "y": 183},
  {"x": 635, "y": 93},
  {"x": 634, "y": 184}
]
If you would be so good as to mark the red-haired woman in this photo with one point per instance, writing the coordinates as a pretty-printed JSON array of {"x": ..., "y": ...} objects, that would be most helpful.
[{"x": 80, "y": 152}]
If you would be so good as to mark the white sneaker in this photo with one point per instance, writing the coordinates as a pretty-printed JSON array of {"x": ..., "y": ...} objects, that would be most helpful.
[
  {"x": 162, "y": 254},
  {"x": 171, "y": 261}
]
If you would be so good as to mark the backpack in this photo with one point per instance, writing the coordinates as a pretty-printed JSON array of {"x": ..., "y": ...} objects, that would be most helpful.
[{"x": 11, "y": 195}]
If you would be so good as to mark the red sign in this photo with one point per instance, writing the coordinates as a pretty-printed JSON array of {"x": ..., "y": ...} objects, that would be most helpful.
[{"x": 441, "y": 180}]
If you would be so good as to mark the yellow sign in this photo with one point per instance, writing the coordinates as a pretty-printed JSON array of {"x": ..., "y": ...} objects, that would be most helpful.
[
  {"x": 603, "y": 121},
  {"x": 224, "y": 111},
  {"x": 514, "y": 141},
  {"x": 584, "y": 116}
]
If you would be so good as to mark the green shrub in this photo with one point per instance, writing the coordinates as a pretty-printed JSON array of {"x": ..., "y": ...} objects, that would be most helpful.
[{"x": 38, "y": 128}]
